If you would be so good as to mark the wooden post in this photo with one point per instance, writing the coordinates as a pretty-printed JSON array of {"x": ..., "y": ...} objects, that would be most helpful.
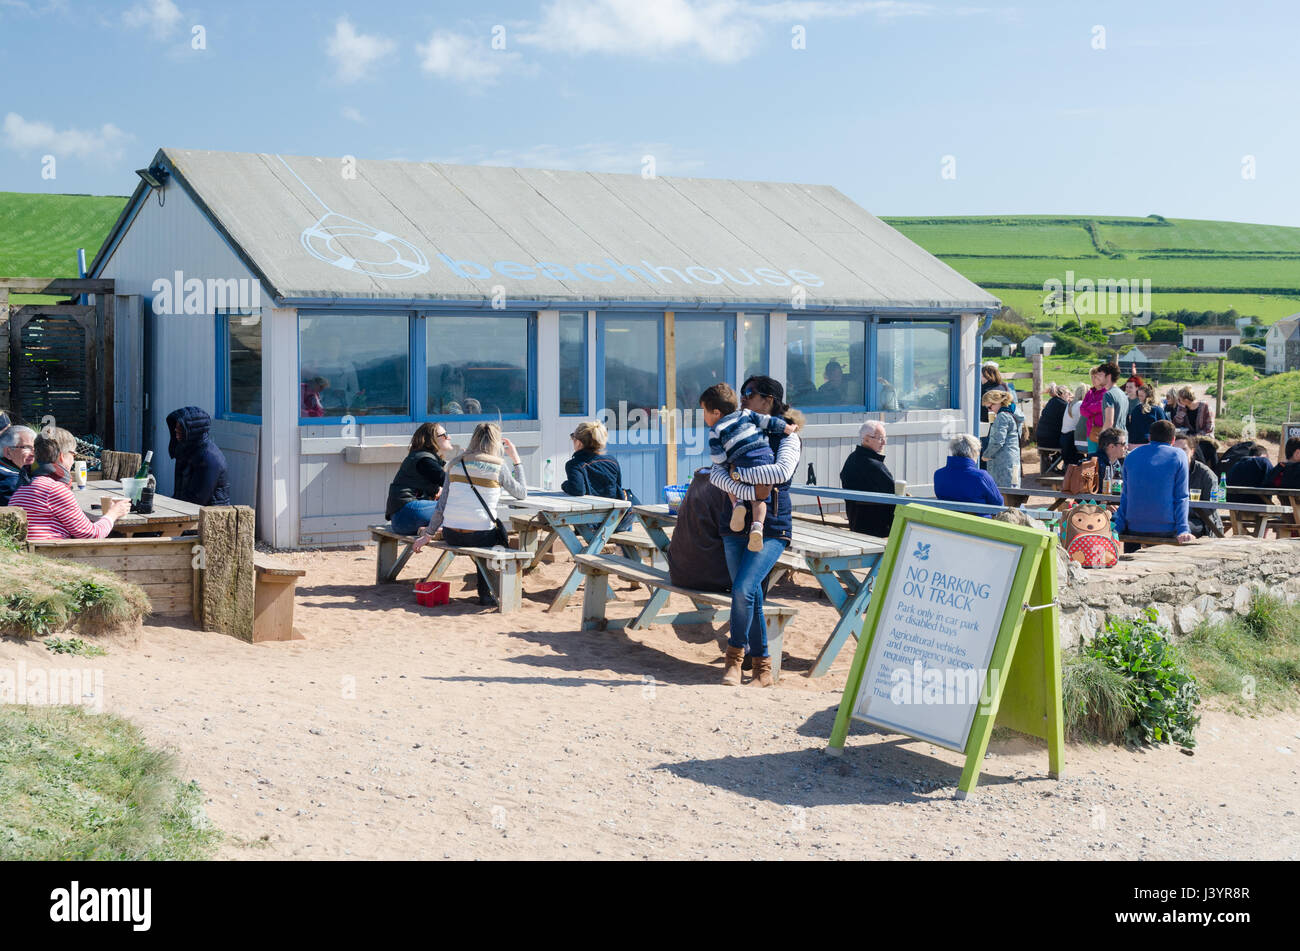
[
  {"x": 1038, "y": 387},
  {"x": 6, "y": 398},
  {"x": 107, "y": 378},
  {"x": 228, "y": 578},
  {"x": 670, "y": 390},
  {"x": 1218, "y": 398}
]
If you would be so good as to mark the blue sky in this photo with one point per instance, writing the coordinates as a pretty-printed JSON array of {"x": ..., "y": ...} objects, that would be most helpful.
[{"x": 1083, "y": 107}]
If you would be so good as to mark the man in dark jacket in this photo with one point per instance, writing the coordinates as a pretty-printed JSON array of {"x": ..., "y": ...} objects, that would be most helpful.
[
  {"x": 1286, "y": 474},
  {"x": 1251, "y": 471},
  {"x": 1200, "y": 477},
  {"x": 16, "y": 457},
  {"x": 1048, "y": 434},
  {"x": 696, "y": 558},
  {"x": 865, "y": 471},
  {"x": 200, "y": 465}
]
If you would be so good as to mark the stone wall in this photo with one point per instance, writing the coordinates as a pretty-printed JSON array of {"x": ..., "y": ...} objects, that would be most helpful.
[{"x": 1184, "y": 583}]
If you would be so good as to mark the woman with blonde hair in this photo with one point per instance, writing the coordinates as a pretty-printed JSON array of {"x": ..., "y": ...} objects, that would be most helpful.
[
  {"x": 466, "y": 511},
  {"x": 1142, "y": 413},
  {"x": 592, "y": 471},
  {"x": 1003, "y": 452}
]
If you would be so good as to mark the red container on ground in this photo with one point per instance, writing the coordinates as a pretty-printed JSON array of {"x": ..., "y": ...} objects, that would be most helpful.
[{"x": 432, "y": 593}]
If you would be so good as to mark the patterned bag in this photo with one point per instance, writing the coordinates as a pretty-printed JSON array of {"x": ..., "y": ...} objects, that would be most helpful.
[{"x": 1088, "y": 536}]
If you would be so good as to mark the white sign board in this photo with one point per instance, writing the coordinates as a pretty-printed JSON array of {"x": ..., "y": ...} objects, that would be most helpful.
[
  {"x": 938, "y": 625},
  {"x": 1289, "y": 431}
]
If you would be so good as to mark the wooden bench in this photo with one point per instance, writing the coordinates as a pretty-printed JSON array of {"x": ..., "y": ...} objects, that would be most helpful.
[
  {"x": 273, "y": 599},
  {"x": 162, "y": 567},
  {"x": 502, "y": 568},
  {"x": 637, "y": 546},
  {"x": 394, "y": 553},
  {"x": 710, "y": 607}
]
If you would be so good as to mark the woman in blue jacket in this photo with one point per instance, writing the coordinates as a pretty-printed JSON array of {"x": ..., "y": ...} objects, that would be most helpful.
[
  {"x": 200, "y": 464},
  {"x": 1003, "y": 451},
  {"x": 962, "y": 479}
]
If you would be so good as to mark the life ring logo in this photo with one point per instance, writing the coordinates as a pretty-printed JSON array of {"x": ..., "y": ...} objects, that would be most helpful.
[{"x": 355, "y": 246}]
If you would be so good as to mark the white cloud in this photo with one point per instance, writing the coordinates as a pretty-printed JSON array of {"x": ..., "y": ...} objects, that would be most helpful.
[
  {"x": 354, "y": 53},
  {"x": 724, "y": 31},
  {"x": 353, "y": 115},
  {"x": 27, "y": 137},
  {"x": 464, "y": 59},
  {"x": 161, "y": 17}
]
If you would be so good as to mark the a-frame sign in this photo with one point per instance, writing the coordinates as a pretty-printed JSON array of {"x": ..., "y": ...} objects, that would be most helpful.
[{"x": 961, "y": 635}]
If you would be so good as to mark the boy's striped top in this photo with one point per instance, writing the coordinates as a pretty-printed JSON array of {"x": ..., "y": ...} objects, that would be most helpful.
[
  {"x": 736, "y": 432},
  {"x": 53, "y": 512}
]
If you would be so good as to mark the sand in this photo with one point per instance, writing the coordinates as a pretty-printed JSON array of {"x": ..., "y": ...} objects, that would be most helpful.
[{"x": 396, "y": 731}]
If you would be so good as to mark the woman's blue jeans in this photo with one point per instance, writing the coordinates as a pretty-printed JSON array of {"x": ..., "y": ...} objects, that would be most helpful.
[
  {"x": 413, "y": 516},
  {"x": 748, "y": 570}
]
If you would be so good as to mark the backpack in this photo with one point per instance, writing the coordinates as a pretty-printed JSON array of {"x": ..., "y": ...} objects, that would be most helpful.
[
  {"x": 1088, "y": 536},
  {"x": 1233, "y": 455}
]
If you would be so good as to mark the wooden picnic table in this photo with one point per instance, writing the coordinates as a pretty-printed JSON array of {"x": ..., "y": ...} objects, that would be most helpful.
[
  {"x": 170, "y": 516},
  {"x": 832, "y": 555},
  {"x": 1243, "y": 515},
  {"x": 1288, "y": 498},
  {"x": 557, "y": 516}
]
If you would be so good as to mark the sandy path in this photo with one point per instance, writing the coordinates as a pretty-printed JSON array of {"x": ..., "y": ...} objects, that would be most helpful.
[{"x": 396, "y": 731}]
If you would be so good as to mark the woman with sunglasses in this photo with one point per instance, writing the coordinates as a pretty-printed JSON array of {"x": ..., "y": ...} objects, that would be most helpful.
[
  {"x": 749, "y": 569},
  {"x": 412, "y": 497}
]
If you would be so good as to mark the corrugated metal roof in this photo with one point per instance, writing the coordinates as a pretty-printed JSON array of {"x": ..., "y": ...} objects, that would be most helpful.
[{"x": 416, "y": 230}]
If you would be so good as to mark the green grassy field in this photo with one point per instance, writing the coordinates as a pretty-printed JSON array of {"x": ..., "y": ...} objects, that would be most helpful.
[
  {"x": 1192, "y": 265},
  {"x": 40, "y": 234}
]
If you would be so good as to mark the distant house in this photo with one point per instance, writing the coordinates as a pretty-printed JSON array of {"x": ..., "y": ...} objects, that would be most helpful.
[
  {"x": 1282, "y": 346},
  {"x": 1122, "y": 338},
  {"x": 1000, "y": 346},
  {"x": 1038, "y": 343},
  {"x": 1210, "y": 339},
  {"x": 1150, "y": 353}
]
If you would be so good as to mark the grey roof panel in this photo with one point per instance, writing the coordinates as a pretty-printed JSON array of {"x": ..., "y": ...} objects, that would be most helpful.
[{"x": 315, "y": 232}]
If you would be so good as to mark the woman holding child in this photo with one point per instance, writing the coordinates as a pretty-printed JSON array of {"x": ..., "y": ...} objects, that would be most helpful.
[{"x": 751, "y": 556}]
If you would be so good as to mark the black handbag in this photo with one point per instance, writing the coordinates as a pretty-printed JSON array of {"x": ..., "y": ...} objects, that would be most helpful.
[{"x": 502, "y": 537}]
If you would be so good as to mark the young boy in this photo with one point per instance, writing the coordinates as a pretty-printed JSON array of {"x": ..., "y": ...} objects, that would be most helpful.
[{"x": 738, "y": 439}]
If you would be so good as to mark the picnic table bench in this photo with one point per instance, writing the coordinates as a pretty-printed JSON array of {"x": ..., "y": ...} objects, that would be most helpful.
[
  {"x": 831, "y": 554},
  {"x": 1243, "y": 515},
  {"x": 710, "y": 607},
  {"x": 545, "y": 517},
  {"x": 1286, "y": 497},
  {"x": 501, "y": 567},
  {"x": 637, "y": 545}
]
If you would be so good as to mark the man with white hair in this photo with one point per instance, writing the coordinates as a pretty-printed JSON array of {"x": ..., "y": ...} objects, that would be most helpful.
[
  {"x": 16, "y": 457},
  {"x": 865, "y": 471},
  {"x": 962, "y": 479}
]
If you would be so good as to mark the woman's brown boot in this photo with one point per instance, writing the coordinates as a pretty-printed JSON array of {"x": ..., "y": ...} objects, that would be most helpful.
[
  {"x": 731, "y": 672},
  {"x": 762, "y": 672}
]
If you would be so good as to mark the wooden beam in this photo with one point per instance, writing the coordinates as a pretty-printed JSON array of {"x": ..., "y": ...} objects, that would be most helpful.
[
  {"x": 56, "y": 285},
  {"x": 1038, "y": 388},
  {"x": 29, "y": 311},
  {"x": 107, "y": 380},
  {"x": 670, "y": 390},
  {"x": 6, "y": 397}
]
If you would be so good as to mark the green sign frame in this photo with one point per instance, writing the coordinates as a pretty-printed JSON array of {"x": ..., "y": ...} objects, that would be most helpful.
[{"x": 1028, "y": 697}]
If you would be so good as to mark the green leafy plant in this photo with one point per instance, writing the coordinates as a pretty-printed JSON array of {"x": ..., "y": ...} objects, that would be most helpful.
[
  {"x": 1164, "y": 692},
  {"x": 73, "y": 645}
]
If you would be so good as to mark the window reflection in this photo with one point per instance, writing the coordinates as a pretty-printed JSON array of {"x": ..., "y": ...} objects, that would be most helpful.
[
  {"x": 914, "y": 365},
  {"x": 353, "y": 365},
  {"x": 824, "y": 363},
  {"x": 478, "y": 365}
]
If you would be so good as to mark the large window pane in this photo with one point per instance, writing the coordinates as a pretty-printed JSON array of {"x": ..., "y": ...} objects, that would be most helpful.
[
  {"x": 701, "y": 347},
  {"x": 914, "y": 363},
  {"x": 756, "y": 361},
  {"x": 244, "y": 370},
  {"x": 573, "y": 364},
  {"x": 353, "y": 365},
  {"x": 631, "y": 369},
  {"x": 478, "y": 365},
  {"x": 824, "y": 363}
]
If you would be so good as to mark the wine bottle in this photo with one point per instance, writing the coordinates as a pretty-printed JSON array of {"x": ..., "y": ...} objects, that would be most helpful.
[{"x": 143, "y": 471}]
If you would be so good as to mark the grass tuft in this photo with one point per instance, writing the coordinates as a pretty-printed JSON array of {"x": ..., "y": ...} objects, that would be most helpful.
[
  {"x": 81, "y": 786},
  {"x": 1251, "y": 663}
]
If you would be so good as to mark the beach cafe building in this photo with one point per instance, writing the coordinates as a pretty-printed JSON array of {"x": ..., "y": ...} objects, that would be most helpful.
[{"x": 321, "y": 308}]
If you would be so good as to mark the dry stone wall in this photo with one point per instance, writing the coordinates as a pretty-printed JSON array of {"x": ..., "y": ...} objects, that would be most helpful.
[{"x": 1185, "y": 584}]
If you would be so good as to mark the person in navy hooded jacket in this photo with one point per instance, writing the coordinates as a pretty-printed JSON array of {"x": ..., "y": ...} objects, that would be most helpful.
[
  {"x": 200, "y": 465},
  {"x": 962, "y": 479}
]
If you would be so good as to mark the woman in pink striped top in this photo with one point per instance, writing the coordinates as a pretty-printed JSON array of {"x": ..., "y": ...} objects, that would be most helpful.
[{"x": 52, "y": 509}]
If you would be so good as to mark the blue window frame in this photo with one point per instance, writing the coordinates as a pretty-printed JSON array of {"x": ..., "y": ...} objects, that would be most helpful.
[
  {"x": 239, "y": 366},
  {"x": 573, "y": 363},
  {"x": 378, "y": 367},
  {"x": 916, "y": 364},
  {"x": 825, "y": 362}
]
